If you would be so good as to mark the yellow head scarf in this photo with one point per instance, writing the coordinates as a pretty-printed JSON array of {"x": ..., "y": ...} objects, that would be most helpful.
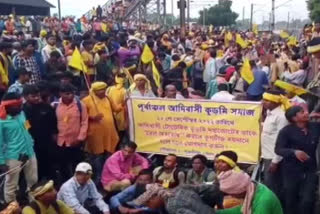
[
  {"x": 284, "y": 101},
  {"x": 42, "y": 189},
  {"x": 98, "y": 47},
  {"x": 290, "y": 88},
  {"x": 96, "y": 86},
  {"x": 229, "y": 161},
  {"x": 43, "y": 33},
  {"x": 139, "y": 77},
  {"x": 119, "y": 82}
]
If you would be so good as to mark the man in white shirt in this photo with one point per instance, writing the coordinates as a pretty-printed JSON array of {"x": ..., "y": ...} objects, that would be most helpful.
[
  {"x": 275, "y": 103},
  {"x": 211, "y": 69},
  {"x": 223, "y": 95},
  {"x": 171, "y": 92}
]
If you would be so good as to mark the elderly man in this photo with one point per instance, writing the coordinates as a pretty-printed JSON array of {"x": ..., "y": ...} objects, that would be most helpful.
[
  {"x": 171, "y": 92},
  {"x": 46, "y": 201},
  {"x": 80, "y": 193}
]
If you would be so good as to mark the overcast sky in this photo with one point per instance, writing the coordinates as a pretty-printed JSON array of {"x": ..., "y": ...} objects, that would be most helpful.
[{"x": 297, "y": 8}]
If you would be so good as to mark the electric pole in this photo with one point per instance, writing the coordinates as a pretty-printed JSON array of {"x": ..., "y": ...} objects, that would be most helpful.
[
  {"x": 172, "y": 18},
  {"x": 288, "y": 24},
  {"x": 273, "y": 19},
  {"x": 158, "y": 12},
  {"x": 165, "y": 12},
  {"x": 59, "y": 9},
  {"x": 251, "y": 17},
  {"x": 188, "y": 13},
  {"x": 243, "y": 14},
  {"x": 183, "y": 17}
]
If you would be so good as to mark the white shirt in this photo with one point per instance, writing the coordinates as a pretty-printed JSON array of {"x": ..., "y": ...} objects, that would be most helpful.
[
  {"x": 222, "y": 96},
  {"x": 274, "y": 122},
  {"x": 210, "y": 70}
]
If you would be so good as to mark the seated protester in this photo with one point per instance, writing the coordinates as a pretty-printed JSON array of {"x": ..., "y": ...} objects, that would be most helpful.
[
  {"x": 223, "y": 95},
  {"x": 187, "y": 199},
  {"x": 118, "y": 203},
  {"x": 168, "y": 175},
  {"x": 104, "y": 68},
  {"x": 225, "y": 161},
  {"x": 121, "y": 169},
  {"x": 199, "y": 174},
  {"x": 81, "y": 194},
  {"x": 257, "y": 197},
  {"x": 171, "y": 92},
  {"x": 23, "y": 79},
  {"x": 45, "y": 201}
]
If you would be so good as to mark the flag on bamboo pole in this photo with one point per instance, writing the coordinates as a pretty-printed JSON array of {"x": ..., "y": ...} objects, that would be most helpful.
[
  {"x": 246, "y": 71},
  {"x": 147, "y": 55},
  {"x": 241, "y": 42},
  {"x": 284, "y": 34},
  {"x": 156, "y": 75},
  {"x": 77, "y": 62}
]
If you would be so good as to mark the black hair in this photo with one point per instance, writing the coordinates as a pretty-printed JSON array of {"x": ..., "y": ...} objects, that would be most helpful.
[
  {"x": 26, "y": 43},
  {"x": 202, "y": 158},
  {"x": 55, "y": 54},
  {"x": 146, "y": 172},
  {"x": 175, "y": 57},
  {"x": 292, "y": 112},
  {"x": 50, "y": 35},
  {"x": 275, "y": 92},
  {"x": 123, "y": 43},
  {"x": 230, "y": 154},
  {"x": 182, "y": 65},
  {"x": 253, "y": 63},
  {"x": 5, "y": 45},
  {"x": 23, "y": 71},
  {"x": 30, "y": 89},
  {"x": 122, "y": 75},
  {"x": 67, "y": 88},
  {"x": 39, "y": 184},
  {"x": 130, "y": 144},
  {"x": 223, "y": 87},
  {"x": 213, "y": 53},
  {"x": 87, "y": 43},
  {"x": 173, "y": 155},
  {"x": 11, "y": 96}
]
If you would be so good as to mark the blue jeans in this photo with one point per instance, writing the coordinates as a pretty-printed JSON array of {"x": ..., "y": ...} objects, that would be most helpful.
[{"x": 300, "y": 192}]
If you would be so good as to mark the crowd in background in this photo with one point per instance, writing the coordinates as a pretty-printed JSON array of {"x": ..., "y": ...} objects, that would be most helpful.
[{"x": 64, "y": 122}]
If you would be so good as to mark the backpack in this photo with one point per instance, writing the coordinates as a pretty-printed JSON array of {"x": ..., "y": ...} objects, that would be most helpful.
[
  {"x": 55, "y": 105},
  {"x": 34, "y": 205}
]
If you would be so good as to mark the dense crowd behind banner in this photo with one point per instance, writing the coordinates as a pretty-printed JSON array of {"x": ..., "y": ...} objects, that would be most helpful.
[{"x": 186, "y": 128}]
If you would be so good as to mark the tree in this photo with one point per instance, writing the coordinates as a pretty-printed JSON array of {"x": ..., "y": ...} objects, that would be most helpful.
[
  {"x": 314, "y": 10},
  {"x": 219, "y": 15}
]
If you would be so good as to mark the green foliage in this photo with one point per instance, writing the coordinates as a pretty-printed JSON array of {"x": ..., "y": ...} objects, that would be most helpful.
[
  {"x": 314, "y": 10},
  {"x": 219, "y": 15}
]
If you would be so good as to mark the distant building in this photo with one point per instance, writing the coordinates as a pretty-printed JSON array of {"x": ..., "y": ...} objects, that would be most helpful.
[{"x": 25, "y": 7}]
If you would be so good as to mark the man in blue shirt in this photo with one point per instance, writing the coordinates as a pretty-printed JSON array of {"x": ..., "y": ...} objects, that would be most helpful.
[
  {"x": 260, "y": 83},
  {"x": 119, "y": 203},
  {"x": 16, "y": 146}
]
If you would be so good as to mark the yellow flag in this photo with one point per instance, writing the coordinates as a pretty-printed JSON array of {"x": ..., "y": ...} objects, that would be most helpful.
[
  {"x": 227, "y": 38},
  {"x": 156, "y": 75},
  {"x": 246, "y": 72},
  {"x": 284, "y": 34},
  {"x": 292, "y": 41},
  {"x": 241, "y": 42},
  {"x": 255, "y": 29},
  {"x": 147, "y": 55},
  {"x": 290, "y": 88},
  {"x": 313, "y": 27},
  {"x": 77, "y": 62},
  {"x": 4, "y": 75}
]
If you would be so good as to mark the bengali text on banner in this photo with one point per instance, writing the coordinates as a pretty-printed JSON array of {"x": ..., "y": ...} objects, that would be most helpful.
[{"x": 189, "y": 127}]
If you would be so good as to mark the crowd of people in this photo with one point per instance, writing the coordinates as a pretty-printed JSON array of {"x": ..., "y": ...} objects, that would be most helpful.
[{"x": 64, "y": 122}]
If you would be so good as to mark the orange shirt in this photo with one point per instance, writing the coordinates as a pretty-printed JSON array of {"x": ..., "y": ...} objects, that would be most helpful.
[{"x": 70, "y": 127}]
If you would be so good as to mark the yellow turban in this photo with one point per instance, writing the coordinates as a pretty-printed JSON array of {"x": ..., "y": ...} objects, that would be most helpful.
[
  {"x": 139, "y": 77},
  {"x": 204, "y": 46},
  {"x": 96, "y": 86},
  {"x": 229, "y": 161},
  {"x": 98, "y": 47},
  {"x": 43, "y": 33},
  {"x": 284, "y": 101},
  {"x": 42, "y": 189}
]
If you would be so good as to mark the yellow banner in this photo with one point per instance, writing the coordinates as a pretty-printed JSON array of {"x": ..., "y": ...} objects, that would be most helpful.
[{"x": 187, "y": 128}]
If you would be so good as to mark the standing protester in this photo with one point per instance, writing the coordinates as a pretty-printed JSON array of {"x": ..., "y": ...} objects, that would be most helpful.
[
  {"x": 50, "y": 47},
  {"x": 23, "y": 79},
  {"x": 6, "y": 72},
  {"x": 297, "y": 144},
  {"x": 72, "y": 119},
  {"x": 39, "y": 113},
  {"x": 259, "y": 85},
  {"x": 16, "y": 146},
  {"x": 275, "y": 103},
  {"x": 27, "y": 61}
]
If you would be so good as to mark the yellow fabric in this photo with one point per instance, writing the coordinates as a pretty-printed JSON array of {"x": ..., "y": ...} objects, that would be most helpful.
[
  {"x": 220, "y": 53},
  {"x": 4, "y": 75},
  {"x": 246, "y": 72},
  {"x": 104, "y": 27},
  {"x": 102, "y": 135},
  {"x": 230, "y": 162},
  {"x": 313, "y": 49},
  {"x": 292, "y": 41},
  {"x": 227, "y": 38},
  {"x": 255, "y": 29},
  {"x": 96, "y": 86},
  {"x": 48, "y": 210},
  {"x": 284, "y": 34},
  {"x": 117, "y": 94},
  {"x": 137, "y": 77},
  {"x": 128, "y": 74},
  {"x": 77, "y": 62},
  {"x": 43, "y": 189},
  {"x": 98, "y": 47},
  {"x": 43, "y": 33},
  {"x": 88, "y": 58},
  {"x": 290, "y": 88},
  {"x": 241, "y": 42},
  {"x": 147, "y": 55},
  {"x": 284, "y": 101},
  {"x": 156, "y": 75}
]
